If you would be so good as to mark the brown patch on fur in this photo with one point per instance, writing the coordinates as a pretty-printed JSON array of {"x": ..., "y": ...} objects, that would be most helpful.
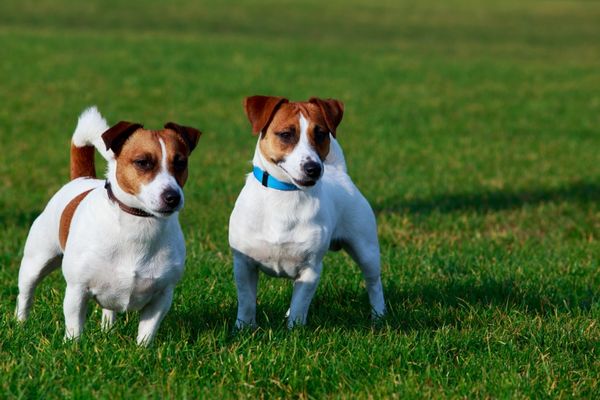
[
  {"x": 261, "y": 109},
  {"x": 67, "y": 216},
  {"x": 287, "y": 119},
  {"x": 189, "y": 135},
  {"x": 144, "y": 145},
  {"x": 117, "y": 135},
  {"x": 82, "y": 162},
  {"x": 178, "y": 151},
  {"x": 332, "y": 110},
  {"x": 317, "y": 131}
]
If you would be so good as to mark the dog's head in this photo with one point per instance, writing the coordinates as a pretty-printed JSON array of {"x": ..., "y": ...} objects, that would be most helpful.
[
  {"x": 294, "y": 136},
  {"x": 150, "y": 167}
]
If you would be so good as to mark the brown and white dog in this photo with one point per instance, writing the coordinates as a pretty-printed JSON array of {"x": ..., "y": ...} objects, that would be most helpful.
[
  {"x": 298, "y": 203},
  {"x": 119, "y": 238}
]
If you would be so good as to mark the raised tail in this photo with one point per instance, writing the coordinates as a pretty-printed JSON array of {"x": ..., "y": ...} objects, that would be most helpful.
[{"x": 87, "y": 136}]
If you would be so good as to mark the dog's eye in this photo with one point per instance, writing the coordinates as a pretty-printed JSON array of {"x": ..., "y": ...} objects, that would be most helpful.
[
  {"x": 143, "y": 164},
  {"x": 320, "y": 134},
  {"x": 180, "y": 163},
  {"x": 285, "y": 136}
]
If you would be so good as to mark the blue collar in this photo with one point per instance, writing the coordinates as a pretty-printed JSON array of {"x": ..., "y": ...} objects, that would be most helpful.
[{"x": 269, "y": 181}]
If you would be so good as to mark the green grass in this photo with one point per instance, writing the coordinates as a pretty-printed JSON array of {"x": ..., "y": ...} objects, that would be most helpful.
[{"x": 471, "y": 126}]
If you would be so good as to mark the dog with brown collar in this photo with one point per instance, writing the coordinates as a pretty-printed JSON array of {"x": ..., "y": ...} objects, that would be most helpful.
[
  {"x": 298, "y": 203},
  {"x": 119, "y": 239}
]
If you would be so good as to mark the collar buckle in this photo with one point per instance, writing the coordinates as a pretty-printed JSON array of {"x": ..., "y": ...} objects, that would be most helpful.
[{"x": 271, "y": 182}]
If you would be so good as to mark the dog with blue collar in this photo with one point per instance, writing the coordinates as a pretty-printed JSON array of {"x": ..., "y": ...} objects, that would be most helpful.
[{"x": 297, "y": 204}]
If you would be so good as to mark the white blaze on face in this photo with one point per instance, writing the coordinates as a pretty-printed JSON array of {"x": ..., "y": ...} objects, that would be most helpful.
[
  {"x": 151, "y": 194},
  {"x": 302, "y": 153}
]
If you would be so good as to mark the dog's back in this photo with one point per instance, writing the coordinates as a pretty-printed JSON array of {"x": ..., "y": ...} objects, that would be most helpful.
[
  {"x": 44, "y": 246},
  {"x": 335, "y": 158}
]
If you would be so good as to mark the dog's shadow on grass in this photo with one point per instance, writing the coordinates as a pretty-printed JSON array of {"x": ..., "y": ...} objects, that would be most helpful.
[
  {"x": 431, "y": 305},
  {"x": 491, "y": 200},
  {"x": 413, "y": 307},
  {"x": 199, "y": 319}
]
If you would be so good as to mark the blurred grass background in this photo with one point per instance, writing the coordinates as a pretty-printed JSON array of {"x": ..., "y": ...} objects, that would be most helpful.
[{"x": 471, "y": 126}]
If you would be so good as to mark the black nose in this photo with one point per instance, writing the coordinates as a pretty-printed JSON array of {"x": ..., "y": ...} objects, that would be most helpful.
[
  {"x": 312, "y": 169},
  {"x": 171, "y": 198}
]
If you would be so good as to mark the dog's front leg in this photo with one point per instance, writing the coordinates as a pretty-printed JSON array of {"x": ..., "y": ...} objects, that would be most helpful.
[
  {"x": 152, "y": 315},
  {"x": 74, "y": 307},
  {"x": 246, "y": 281},
  {"x": 305, "y": 287}
]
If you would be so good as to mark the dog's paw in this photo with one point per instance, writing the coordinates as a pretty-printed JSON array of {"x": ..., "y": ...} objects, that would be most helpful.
[
  {"x": 68, "y": 338},
  {"x": 144, "y": 341},
  {"x": 241, "y": 325},
  {"x": 21, "y": 312},
  {"x": 378, "y": 319},
  {"x": 298, "y": 323},
  {"x": 21, "y": 317}
]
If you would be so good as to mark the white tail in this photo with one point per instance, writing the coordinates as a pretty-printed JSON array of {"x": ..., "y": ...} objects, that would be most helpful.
[
  {"x": 87, "y": 136},
  {"x": 90, "y": 127}
]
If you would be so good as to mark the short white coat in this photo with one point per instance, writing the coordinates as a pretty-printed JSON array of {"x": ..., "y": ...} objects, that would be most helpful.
[
  {"x": 124, "y": 262},
  {"x": 287, "y": 233}
]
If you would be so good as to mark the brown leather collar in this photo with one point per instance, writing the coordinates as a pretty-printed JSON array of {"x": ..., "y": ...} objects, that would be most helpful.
[{"x": 129, "y": 210}]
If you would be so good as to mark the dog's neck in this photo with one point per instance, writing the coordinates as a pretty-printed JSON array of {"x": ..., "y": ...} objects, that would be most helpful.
[
  {"x": 273, "y": 170},
  {"x": 124, "y": 207},
  {"x": 276, "y": 172},
  {"x": 141, "y": 222},
  {"x": 126, "y": 202}
]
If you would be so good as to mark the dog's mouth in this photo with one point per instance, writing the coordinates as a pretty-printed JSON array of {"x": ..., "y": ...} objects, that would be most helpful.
[
  {"x": 298, "y": 182},
  {"x": 304, "y": 183},
  {"x": 165, "y": 213}
]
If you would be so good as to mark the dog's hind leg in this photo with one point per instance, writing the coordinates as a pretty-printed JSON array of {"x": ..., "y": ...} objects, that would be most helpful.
[
  {"x": 39, "y": 259},
  {"x": 363, "y": 247}
]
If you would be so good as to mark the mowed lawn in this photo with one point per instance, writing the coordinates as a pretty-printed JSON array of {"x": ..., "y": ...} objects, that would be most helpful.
[{"x": 473, "y": 128}]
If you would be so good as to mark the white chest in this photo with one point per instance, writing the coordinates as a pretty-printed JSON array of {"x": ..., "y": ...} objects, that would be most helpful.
[
  {"x": 286, "y": 254},
  {"x": 130, "y": 282},
  {"x": 124, "y": 268},
  {"x": 284, "y": 237}
]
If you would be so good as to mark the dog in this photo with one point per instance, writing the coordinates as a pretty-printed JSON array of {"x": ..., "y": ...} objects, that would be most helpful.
[
  {"x": 297, "y": 204},
  {"x": 119, "y": 239}
]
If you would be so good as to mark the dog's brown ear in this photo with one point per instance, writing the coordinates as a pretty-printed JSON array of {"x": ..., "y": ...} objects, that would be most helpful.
[
  {"x": 333, "y": 111},
  {"x": 189, "y": 135},
  {"x": 115, "y": 137},
  {"x": 260, "y": 110}
]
